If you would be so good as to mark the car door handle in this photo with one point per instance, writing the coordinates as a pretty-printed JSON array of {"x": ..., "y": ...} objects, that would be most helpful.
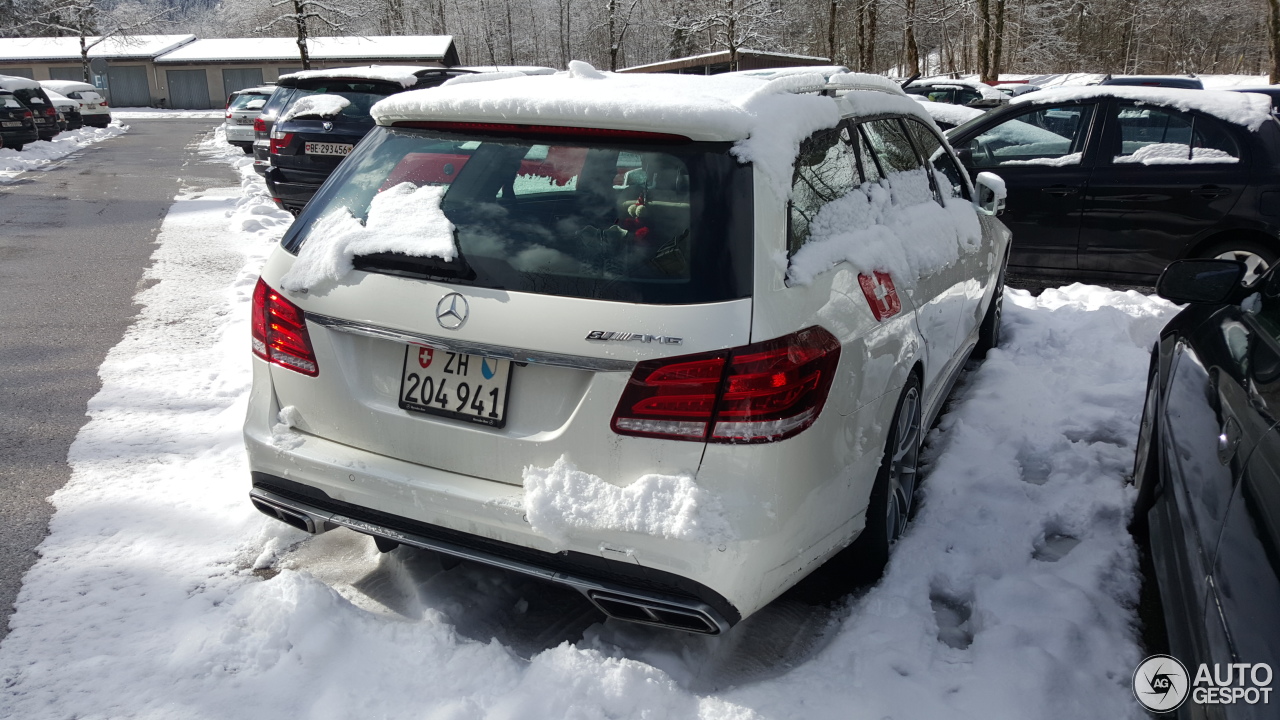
[
  {"x": 1060, "y": 190},
  {"x": 1212, "y": 191}
]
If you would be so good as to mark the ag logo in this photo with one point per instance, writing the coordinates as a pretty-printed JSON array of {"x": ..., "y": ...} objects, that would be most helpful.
[
  {"x": 1161, "y": 683},
  {"x": 424, "y": 356}
]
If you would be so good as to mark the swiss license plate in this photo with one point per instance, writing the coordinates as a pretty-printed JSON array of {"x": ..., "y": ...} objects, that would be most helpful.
[
  {"x": 93, "y": 106},
  {"x": 11, "y": 124},
  {"x": 319, "y": 148},
  {"x": 455, "y": 385}
]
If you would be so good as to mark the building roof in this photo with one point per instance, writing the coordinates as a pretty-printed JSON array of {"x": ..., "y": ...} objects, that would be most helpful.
[
  {"x": 437, "y": 48},
  {"x": 68, "y": 48},
  {"x": 724, "y": 56}
]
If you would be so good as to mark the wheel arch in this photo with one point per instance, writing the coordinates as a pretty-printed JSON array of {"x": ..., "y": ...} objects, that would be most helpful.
[{"x": 1196, "y": 248}]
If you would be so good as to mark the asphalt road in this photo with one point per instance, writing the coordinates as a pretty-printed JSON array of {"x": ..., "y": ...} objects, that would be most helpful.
[{"x": 74, "y": 241}]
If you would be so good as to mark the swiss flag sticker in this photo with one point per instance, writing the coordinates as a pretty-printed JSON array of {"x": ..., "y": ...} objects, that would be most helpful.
[
  {"x": 881, "y": 294},
  {"x": 424, "y": 356}
]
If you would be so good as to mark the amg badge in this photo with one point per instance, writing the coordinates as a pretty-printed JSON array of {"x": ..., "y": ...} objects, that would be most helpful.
[{"x": 633, "y": 337}]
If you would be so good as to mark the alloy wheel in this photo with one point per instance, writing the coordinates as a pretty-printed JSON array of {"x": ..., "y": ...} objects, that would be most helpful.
[
  {"x": 1255, "y": 265},
  {"x": 903, "y": 466}
]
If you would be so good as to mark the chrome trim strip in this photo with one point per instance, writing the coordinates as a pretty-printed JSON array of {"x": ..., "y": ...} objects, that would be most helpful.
[
  {"x": 326, "y": 520},
  {"x": 577, "y": 362}
]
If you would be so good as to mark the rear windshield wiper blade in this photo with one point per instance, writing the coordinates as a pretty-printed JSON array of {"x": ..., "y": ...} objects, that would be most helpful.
[{"x": 426, "y": 268}]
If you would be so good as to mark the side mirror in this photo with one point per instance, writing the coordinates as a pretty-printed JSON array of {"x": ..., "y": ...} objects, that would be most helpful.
[
  {"x": 1200, "y": 281},
  {"x": 991, "y": 193}
]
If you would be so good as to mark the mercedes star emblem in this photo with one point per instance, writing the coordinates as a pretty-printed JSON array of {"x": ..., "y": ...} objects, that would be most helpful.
[{"x": 451, "y": 311}]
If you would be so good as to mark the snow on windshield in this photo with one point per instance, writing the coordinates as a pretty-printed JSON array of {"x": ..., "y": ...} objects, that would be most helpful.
[
  {"x": 403, "y": 219},
  {"x": 895, "y": 226},
  {"x": 562, "y": 502},
  {"x": 948, "y": 112},
  {"x": 322, "y": 105}
]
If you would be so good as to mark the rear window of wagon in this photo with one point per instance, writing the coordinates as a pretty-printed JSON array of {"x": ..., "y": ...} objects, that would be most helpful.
[{"x": 633, "y": 222}]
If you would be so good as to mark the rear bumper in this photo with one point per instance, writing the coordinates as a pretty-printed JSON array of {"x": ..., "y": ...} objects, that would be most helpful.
[
  {"x": 239, "y": 134},
  {"x": 19, "y": 137},
  {"x": 96, "y": 119},
  {"x": 615, "y": 587},
  {"x": 292, "y": 195}
]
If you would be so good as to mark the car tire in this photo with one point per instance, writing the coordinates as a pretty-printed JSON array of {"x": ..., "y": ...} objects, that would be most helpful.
[
  {"x": 1146, "y": 456},
  {"x": 17, "y": 147},
  {"x": 893, "y": 494},
  {"x": 989, "y": 330},
  {"x": 1256, "y": 256}
]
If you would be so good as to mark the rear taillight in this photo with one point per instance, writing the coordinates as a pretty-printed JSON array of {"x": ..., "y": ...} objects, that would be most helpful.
[
  {"x": 102, "y": 103},
  {"x": 26, "y": 113},
  {"x": 757, "y": 393},
  {"x": 259, "y": 125},
  {"x": 228, "y": 114},
  {"x": 51, "y": 112},
  {"x": 280, "y": 141},
  {"x": 280, "y": 332}
]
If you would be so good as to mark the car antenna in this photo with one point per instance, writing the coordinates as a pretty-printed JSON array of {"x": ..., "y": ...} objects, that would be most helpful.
[{"x": 910, "y": 80}]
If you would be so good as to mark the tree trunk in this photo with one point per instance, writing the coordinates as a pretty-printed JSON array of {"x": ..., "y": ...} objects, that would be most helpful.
[
  {"x": 613, "y": 42},
  {"x": 731, "y": 36},
  {"x": 872, "y": 8},
  {"x": 984, "y": 40},
  {"x": 997, "y": 47},
  {"x": 511, "y": 48},
  {"x": 913, "y": 51},
  {"x": 301, "y": 23},
  {"x": 831, "y": 30},
  {"x": 84, "y": 58},
  {"x": 1273, "y": 36}
]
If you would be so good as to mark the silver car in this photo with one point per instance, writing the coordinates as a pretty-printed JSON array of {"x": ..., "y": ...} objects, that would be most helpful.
[{"x": 243, "y": 107}]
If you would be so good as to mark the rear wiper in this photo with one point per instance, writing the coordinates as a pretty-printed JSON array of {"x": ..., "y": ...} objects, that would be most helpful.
[{"x": 425, "y": 268}]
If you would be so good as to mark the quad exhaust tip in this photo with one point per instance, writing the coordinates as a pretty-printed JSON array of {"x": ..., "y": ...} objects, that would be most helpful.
[{"x": 692, "y": 616}]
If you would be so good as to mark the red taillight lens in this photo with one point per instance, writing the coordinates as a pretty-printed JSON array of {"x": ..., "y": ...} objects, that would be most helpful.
[
  {"x": 51, "y": 112},
  {"x": 228, "y": 114},
  {"x": 758, "y": 393},
  {"x": 26, "y": 113},
  {"x": 259, "y": 125},
  {"x": 280, "y": 332},
  {"x": 280, "y": 141}
]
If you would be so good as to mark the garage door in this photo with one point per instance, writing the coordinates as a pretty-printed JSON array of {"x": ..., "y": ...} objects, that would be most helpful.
[
  {"x": 240, "y": 78},
  {"x": 188, "y": 89},
  {"x": 18, "y": 72},
  {"x": 67, "y": 73},
  {"x": 127, "y": 86}
]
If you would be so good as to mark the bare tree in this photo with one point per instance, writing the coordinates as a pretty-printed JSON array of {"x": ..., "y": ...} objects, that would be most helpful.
[
  {"x": 304, "y": 11},
  {"x": 733, "y": 24},
  {"x": 87, "y": 20},
  {"x": 617, "y": 24}
]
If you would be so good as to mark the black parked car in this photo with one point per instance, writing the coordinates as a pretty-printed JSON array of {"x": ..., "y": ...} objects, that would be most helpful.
[
  {"x": 1116, "y": 183},
  {"x": 957, "y": 93},
  {"x": 1207, "y": 469},
  {"x": 1271, "y": 91},
  {"x": 17, "y": 124},
  {"x": 305, "y": 147},
  {"x": 30, "y": 93}
]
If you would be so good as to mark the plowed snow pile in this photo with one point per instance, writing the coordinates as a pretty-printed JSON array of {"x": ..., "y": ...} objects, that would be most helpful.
[
  {"x": 160, "y": 592},
  {"x": 40, "y": 153}
]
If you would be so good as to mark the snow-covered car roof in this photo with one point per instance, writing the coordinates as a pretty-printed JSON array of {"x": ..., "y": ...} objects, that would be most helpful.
[
  {"x": 725, "y": 107},
  {"x": 986, "y": 91},
  {"x": 1249, "y": 110},
  {"x": 951, "y": 114},
  {"x": 403, "y": 74},
  {"x": 768, "y": 118},
  {"x": 66, "y": 86},
  {"x": 260, "y": 90},
  {"x": 61, "y": 101},
  {"x": 13, "y": 82}
]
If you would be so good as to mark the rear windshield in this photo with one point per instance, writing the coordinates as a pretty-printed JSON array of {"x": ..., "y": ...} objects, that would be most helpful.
[
  {"x": 9, "y": 101},
  {"x": 277, "y": 101},
  {"x": 248, "y": 101},
  {"x": 360, "y": 95},
  {"x": 645, "y": 223},
  {"x": 30, "y": 96}
]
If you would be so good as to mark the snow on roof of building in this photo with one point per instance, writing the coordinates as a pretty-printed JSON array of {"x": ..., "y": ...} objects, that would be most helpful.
[
  {"x": 68, "y": 48},
  {"x": 270, "y": 49},
  {"x": 403, "y": 74},
  {"x": 1245, "y": 109},
  {"x": 767, "y": 117}
]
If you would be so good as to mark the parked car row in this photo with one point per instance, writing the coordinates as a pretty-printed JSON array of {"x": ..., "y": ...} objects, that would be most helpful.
[{"x": 31, "y": 111}]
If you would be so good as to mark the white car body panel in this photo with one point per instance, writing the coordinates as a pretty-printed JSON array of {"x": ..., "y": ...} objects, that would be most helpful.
[{"x": 791, "y": 504}]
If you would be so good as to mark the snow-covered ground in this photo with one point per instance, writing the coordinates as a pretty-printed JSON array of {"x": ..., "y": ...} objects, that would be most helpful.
[
  {"x": 146, "y": 113},
  {"x": 41, "y": 153},
  {"x": 161, "y": 593}
]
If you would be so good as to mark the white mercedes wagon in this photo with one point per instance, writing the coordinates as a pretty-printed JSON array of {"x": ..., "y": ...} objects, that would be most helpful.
[{"x": 672, "y": 341}]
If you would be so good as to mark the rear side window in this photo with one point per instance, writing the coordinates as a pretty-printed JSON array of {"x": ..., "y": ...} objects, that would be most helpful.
[
  {"x": 891, "y": 145},
  {"x": 658, "y": 224},
  {"x": 278, "y": 100},
  {"x": 824, "y": 172},
  {"x": 1152, "y": 135}
]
